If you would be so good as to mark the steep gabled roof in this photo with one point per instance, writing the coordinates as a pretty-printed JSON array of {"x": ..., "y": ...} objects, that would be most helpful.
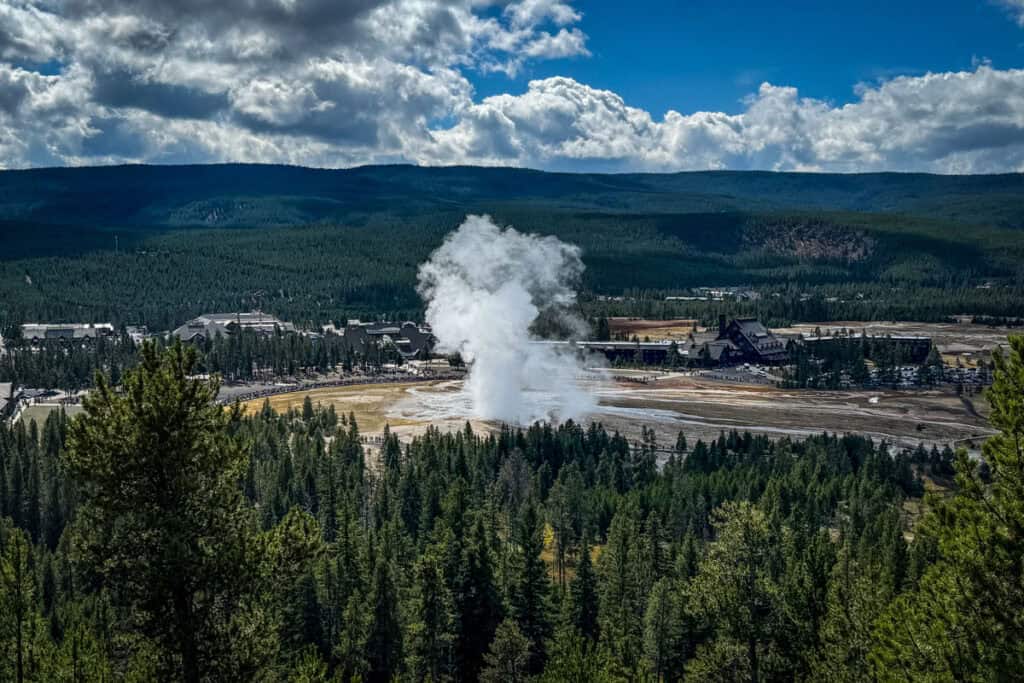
[
  {"x": 751, "y": 328},
  {"x": 713, "y": 350}
]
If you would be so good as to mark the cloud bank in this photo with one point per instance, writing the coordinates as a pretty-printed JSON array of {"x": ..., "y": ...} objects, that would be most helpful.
[
  {"x": 963, "y": 122},
  {"x": 328, "y": 83}
]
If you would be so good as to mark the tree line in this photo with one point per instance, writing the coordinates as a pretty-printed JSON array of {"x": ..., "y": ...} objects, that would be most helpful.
[
  {"x": 842, "y": 361},
  {"x": 783, "y": 303},
  {"x": 245, "y": 355}
]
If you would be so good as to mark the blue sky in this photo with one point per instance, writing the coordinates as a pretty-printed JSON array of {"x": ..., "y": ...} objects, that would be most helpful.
[
  {"x": 707, "y": 56},
  {"x": 566, "y": 85}
]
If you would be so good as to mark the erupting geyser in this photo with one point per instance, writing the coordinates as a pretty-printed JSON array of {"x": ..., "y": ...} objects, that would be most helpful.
[{"x": 484, "y": 288}]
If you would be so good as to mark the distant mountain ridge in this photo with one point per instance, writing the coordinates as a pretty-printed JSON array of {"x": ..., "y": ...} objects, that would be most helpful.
[{"x": 261, "y": 195}]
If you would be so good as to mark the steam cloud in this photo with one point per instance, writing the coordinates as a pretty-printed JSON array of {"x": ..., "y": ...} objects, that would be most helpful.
[{"x": 484, "y": 288}]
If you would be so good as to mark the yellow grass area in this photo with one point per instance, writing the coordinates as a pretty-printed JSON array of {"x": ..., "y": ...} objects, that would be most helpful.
[
  {"x": 657, "y": 330},
  {"x": 375, "y": 405},
  {"x": 914, "y": 508},
  {"x": 548, "y": 555},
  {"x": 966, "y": 361},
  {"x": 370, "y": 403},
  {"x": 39, "y": 413}
]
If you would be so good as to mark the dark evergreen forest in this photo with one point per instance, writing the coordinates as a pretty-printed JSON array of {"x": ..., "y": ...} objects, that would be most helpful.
[
  {"x": 159, "y": 536},
  {"x": 159, "y": 245},
  {"x": 245, "y": 356}
]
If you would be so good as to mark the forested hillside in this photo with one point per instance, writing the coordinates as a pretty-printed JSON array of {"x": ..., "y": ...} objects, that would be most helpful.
[
  {"x": 271, "y": 547},
  {"x": 169, "y": 195},
  {"x": 157, "y": 245}
]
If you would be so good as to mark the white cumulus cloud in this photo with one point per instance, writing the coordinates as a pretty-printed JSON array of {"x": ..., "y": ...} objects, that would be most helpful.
[
  {"x": 961, "y": 122},
  {"x": 328, "y": 83}
]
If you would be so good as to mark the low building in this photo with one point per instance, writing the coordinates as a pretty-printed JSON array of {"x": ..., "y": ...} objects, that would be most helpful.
[
  {"x": 915, "y": 348},
  {"x": 742, "y": 340},
  {"x": 209, "y": 325},
  {"x": 50, "y": 332},
  {"x": 752, "y": 341},
  {"x": 137, "y": 333},
  {"x": 409, "y": 338},
  {"x": 649, "y": 353},
  {"x": 6, "y": 399},
  {"x": 716, "y": 353}
]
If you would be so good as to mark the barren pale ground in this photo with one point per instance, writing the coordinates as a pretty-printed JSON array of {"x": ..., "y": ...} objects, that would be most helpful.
[{"x": 699, "y": 407}]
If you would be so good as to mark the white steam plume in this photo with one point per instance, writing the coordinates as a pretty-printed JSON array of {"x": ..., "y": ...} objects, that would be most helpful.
[{"x": 484, "y": 288}]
